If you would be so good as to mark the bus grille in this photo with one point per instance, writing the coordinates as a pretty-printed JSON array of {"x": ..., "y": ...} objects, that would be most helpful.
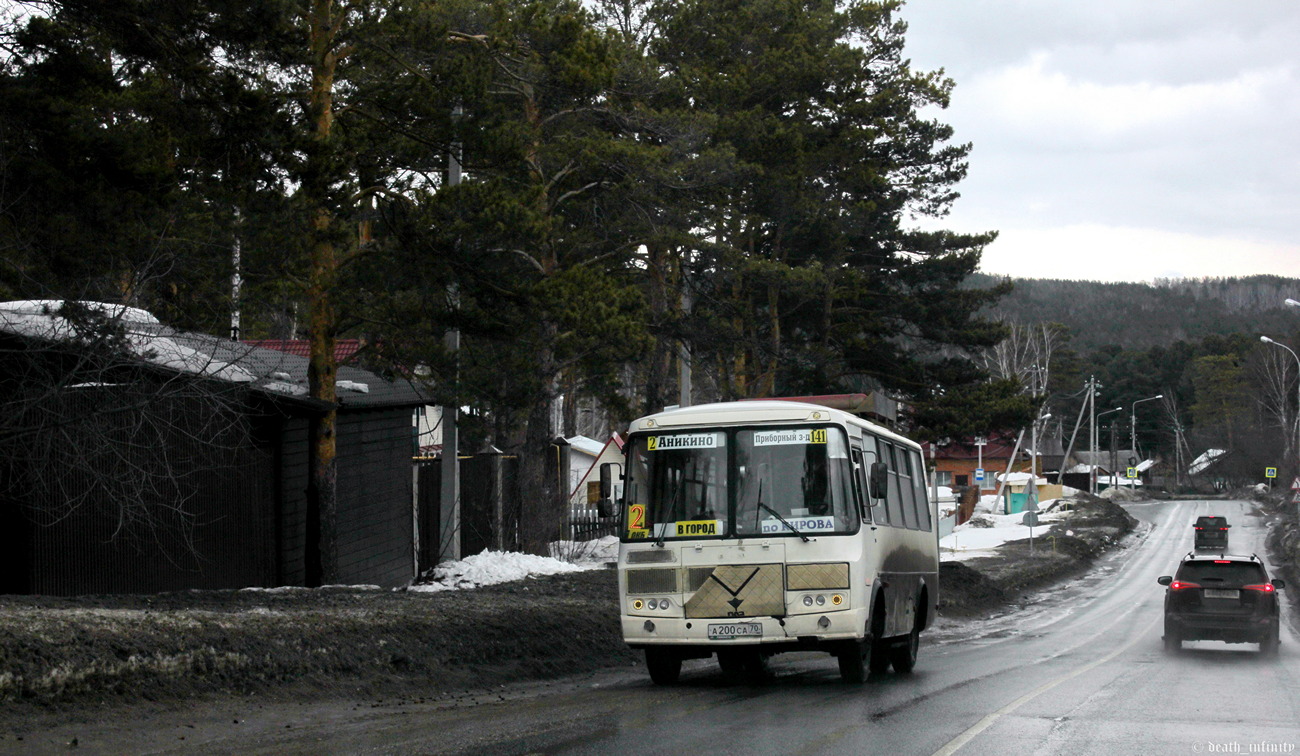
[
  {"x": 652, "y": 581},
  {"x": 739, "y": 590}
]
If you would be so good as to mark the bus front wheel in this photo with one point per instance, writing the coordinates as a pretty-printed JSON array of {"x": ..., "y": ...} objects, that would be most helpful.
[
  {"x": 903, "y": 655},
  {"x": 664, "y": 665},
  {"x": 854, "y": 658}
]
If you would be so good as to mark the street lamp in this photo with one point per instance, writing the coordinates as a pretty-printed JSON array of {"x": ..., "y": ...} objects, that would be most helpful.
[
  {"x": 1267, "y": 340},
  {"x": 1292, "y": 303},
  {"x": 1132, "y": 433}
]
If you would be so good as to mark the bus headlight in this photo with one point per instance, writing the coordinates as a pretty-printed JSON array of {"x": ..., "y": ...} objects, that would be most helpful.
[
  {"x": 821, "y": 601},
  {"x": 807, "y": 601},
  {"x": 638, "y": 604}
]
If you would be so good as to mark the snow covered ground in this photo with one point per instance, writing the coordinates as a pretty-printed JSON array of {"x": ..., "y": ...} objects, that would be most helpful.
[
  {"x": 969, "y": 541},
  {"x": 491, "y": 567}
]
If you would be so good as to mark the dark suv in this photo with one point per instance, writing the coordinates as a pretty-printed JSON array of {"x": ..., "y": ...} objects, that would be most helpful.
[
  {"x": 1224, "y": 598},
  {"x": 1211, "y": 532}
]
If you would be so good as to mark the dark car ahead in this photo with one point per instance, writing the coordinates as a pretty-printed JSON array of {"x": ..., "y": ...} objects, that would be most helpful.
[
  {"x": 1211, "y": 532},
  {"x": 1223, "y": 598}
]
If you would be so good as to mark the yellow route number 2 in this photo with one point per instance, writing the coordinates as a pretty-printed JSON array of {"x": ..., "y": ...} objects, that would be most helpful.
[{"x": 636, "y": 521}]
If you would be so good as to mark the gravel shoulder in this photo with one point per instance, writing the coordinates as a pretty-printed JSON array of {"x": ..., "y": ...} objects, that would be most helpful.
[{"x": 85, "y": 658}]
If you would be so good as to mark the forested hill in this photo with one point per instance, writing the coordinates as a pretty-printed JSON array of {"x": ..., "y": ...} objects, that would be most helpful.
[{"x": 1139, "y": 315}]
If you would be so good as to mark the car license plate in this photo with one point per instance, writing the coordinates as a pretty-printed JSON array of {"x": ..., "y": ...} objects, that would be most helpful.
[
  {"x": 1223, "y": 593},
  {"x": 735, "y": 630}
]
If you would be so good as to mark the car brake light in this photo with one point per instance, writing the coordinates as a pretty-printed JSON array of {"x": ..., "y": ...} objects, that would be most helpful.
[
  {"x": 1198, "y": 528},
  {"x": 1261, "y": 587},
  {"x": 1179, "y": 585},
  {"x": 1223, "y": 561}
]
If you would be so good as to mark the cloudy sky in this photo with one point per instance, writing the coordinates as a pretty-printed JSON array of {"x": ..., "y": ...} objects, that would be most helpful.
[{"x": 1123, "y": 140}]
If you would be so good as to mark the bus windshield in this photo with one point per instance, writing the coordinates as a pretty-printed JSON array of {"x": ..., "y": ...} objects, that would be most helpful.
[{"x": 739, "y": 483}]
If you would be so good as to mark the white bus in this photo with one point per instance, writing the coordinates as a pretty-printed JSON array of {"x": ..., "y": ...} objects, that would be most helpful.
[{"x": 752, "y": 528}]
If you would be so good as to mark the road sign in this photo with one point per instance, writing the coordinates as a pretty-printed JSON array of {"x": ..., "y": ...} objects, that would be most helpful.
[
  {"x": 1030, "y": 519},
  {"x": 1295, "y": 484},
  {"x": 1131, "y": 473},
  {"x": 1270, "y": 472},
  {"x": 979, "y": 474}
]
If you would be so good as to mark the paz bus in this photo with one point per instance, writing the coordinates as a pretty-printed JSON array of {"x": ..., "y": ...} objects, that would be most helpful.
[{"x": 752, "y": 528}]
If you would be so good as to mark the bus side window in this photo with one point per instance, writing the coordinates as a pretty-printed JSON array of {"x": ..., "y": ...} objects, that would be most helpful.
[
  {"x": 895, "y": 498},
  {"x": 905, "y": 487},
  {"x": 880, "y": 513},
  {"x": 918, "y": 482},
  {"x": 863, "y": 500}
]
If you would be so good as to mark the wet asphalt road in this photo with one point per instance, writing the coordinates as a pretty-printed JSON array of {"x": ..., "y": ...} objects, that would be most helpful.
[{"x": 1078, "y": 671}]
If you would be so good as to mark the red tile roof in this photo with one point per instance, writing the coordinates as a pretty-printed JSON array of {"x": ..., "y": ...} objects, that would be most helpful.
[{"x": 343, "y": 348}]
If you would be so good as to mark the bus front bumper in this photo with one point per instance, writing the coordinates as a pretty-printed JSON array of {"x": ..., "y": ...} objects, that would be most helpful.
[{"x": 729, "y": 632}]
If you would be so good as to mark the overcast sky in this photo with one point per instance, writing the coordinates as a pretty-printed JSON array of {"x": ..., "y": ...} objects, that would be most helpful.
[{"x": 1123, "y": 140}]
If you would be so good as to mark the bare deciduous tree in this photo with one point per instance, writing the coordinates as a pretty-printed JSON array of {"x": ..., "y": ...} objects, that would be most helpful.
[{"x": 103, "y": 417}]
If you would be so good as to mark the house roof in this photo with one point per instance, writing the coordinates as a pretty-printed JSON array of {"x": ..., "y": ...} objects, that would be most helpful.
[
  {"x": 1205, "y": 461},
  {"x": 344, "y": 349},
  {"x": 998, "y": 446},
  {"x": 589, "y": 446},
  {"x": 279, "y": 375}
]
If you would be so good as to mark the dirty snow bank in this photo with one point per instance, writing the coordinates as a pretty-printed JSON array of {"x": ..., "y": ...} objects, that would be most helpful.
[{"x": 492, "y": 567}]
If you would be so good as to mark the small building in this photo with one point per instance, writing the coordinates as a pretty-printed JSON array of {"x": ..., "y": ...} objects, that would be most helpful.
[
  {"x": 586, "y": 457},
  {"x": 956, "y": 462},
  {"x": 187, "y": 461}
]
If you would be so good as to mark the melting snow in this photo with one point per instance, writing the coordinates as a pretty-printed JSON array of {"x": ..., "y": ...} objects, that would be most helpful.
[
  {"x": 968, "y": 541},
  {"x": 491, "y": 567}
]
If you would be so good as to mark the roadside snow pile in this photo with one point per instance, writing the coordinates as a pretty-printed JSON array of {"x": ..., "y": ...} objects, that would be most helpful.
[
  {"x": 491, "y": 567},
  {"x": 1122, "y": 493},
  {"x": 980, "y": 536}
]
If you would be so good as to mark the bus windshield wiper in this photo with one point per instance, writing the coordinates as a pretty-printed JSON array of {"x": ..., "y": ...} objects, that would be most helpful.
[
  {"x": 663, "y": 528},
  {"x": 784, "y": 521}
]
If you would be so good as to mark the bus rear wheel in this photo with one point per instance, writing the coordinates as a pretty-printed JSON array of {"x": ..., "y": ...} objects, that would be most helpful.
[{"x": 664, "y": 665}]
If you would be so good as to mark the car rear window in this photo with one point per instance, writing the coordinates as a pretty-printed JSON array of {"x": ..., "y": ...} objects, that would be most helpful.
[
  {"x": 1237, "y": 573},
  {"x": 1210, "y": 522}
]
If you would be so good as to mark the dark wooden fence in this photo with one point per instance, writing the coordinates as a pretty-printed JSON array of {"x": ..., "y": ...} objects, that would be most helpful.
[{"x": 490, "y": 510}]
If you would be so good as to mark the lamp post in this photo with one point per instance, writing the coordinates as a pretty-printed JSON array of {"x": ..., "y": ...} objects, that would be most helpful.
[
  {"x": 1132, "y": 433},
  {"x": 1267, "y": 340},
  {"x": 1291, "y": 302},
  {"x": 1095, "y": 439}
]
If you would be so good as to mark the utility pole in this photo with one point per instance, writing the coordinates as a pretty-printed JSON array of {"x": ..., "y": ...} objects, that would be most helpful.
[
  {"x": 1092, "y": 433},
  {"x": 449, "y": 490}
]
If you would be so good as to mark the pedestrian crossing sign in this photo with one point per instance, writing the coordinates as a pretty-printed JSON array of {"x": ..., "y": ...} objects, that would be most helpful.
[{"x": 1270, "y": 472}]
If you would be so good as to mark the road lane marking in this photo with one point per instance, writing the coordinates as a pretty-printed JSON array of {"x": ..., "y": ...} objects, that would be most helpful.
[{"x": 956, "y": 743}]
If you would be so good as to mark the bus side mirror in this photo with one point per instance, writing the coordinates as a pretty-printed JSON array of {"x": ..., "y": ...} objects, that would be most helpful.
[
  {"x": 879, "y": 479},
  {"x": 605, "y": 505}
]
